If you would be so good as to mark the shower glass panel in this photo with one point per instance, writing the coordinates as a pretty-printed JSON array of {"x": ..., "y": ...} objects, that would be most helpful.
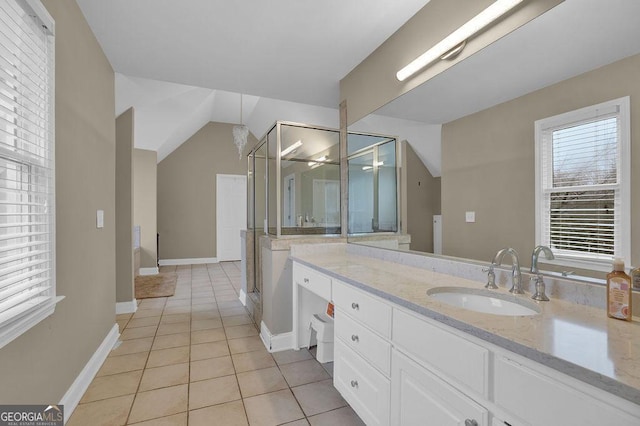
[
  {"x": 260, "y": 206},
  {"x": 373, "y": 183}
]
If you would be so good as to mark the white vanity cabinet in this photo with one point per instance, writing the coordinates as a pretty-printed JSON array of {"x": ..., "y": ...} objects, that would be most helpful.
[
  {"x": 397, "y": 367},
  {"x": 362, "y": 357}
]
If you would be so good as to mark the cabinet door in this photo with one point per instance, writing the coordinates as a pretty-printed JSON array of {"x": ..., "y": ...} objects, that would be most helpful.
[
  {"x": 419, "y": 398},
  {"x": 362, "y": 386}
]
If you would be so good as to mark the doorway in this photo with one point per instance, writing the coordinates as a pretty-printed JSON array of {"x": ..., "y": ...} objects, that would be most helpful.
[{"x": 231, "y": 215}]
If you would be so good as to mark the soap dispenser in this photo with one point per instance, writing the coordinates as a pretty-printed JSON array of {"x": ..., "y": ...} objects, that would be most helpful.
[{"x": 619, "y": 292}]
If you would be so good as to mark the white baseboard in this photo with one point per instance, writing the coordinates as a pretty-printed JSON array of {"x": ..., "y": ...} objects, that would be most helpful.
[
  {"x": 195, "y": 261},
  {"x": 79, "y": 386},
  {"x": 149, "y": 271},
  {"x": 243, "y": 297},
  {"x": 127, "y": 307},
  {"x": 275, "y": 342}
]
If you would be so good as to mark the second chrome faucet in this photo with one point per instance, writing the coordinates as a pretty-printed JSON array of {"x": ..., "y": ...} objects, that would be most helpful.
[{"x": 516, "y": 276}]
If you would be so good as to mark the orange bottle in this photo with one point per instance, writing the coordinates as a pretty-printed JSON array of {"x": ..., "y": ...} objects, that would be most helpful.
[{"x": 619, "y": 292}]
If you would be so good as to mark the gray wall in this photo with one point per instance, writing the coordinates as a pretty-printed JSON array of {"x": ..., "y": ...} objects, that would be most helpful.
[
  {"x": 488, "y": 163},
  {"x": 422, "y": 200},
  {"x": 187, "y": 191},
  {"x": 124, "y": 206},
  {"x": 373, "y": 82},
  {"x": 145, "y": 203},
  {"x": 39, "y": 366}
]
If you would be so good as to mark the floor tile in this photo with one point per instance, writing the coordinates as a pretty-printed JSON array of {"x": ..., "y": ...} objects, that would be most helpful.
[
  {"x": 203, "y": 315},
  {"x": 245, "y": 344},
  {"x": 236, "y": 331},
  {"x": 213, "y": 391},
  {"x": 169, "y": 356},
  {"x": 175, "y": 420},
  {"x": 171, "y": 341},
  {"x": 138, "y": 333},
  {"x": 133, "y": 346},
  {"x": 111, "y": 386},
  {"x": 173, "y": 328},
  {"x": 342, "y": 416},
  {"x": 301, "y": 422},
  {"x": 255, "y": 360},
  {"x": 143, "y": 322},
  {"x": 229, "y": 312},
  {"x": 162, "y": 377},
  {"x": 143, "y": 313},
  {"x": 257, "y": 382},
  {"x": 273, "y": 408},
  {"x": 287, "y": 357},
  {"x": 106, "y": 412},
  {"x": 207, "y": 336},
  {"x": 211, "y": 368},
  {"x": 227, "y": 414},
  {"x": 237, "y": 320},
  {"x": 209, "y": 350},
  {"x": 173, "y": 318},
  {"x": 124, "y": 317},
  {"x": 318, "y": 397},
  {"x": 303, "y": 372},
  {"x": 205, "y": 324},
  {"x": 159, "y": 403},
  {"x": 123, "y": 363}
]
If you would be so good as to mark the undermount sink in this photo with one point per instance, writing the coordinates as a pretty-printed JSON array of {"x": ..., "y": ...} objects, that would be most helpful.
[{"x": 485, "y": 301}]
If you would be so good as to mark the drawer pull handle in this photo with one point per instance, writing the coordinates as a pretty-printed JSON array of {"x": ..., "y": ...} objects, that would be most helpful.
[
  {"x": 355, "y": 306},
  {"x": 470, "y": 422},
  {"x": 354, "y": 384},
  {"x": 306, "y": 280},
  {"x": 354, "y": 338}
]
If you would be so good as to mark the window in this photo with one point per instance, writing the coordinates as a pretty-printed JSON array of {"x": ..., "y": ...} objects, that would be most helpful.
[
  {"x": 583, "y": 183},
  {"x": 27, "y": 222}
]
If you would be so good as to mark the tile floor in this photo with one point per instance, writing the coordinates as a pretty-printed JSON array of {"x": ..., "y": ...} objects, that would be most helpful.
[{"x": 196, "y": 359}]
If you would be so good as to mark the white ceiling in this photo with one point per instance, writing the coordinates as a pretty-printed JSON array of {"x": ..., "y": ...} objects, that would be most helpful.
[
  {"x": 293, "y": 50},
  {"x": 574, "y": 37},
  {"x": 183, "y": 63}
]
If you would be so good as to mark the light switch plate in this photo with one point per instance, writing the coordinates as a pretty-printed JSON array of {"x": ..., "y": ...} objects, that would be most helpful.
[
  {"x": 100, "y": 219},
  {"x": 470, "y": 217}
]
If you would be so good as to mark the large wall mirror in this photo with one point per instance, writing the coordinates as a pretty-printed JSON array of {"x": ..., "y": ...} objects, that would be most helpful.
[{"x": 468, "y": 139}]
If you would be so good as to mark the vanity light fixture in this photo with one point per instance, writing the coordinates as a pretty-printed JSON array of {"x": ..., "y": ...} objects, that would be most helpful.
[
  {"x": 453, "y": 44},
  {"x": 291, "y": 148}
]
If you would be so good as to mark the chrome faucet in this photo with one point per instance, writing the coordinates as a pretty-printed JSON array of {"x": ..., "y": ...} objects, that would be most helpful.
[
  {"x": 539, "y": 284},
  {"x": 516, "y": 276},
  {"x": 491, "y": 277}
]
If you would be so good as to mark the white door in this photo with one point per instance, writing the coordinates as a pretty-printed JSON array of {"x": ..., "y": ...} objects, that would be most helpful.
[{"x": 231, "y": 215}]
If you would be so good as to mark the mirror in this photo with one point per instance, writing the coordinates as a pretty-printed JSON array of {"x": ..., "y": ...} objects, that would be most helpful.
[
  {"x": 373, "y": 183},
  {"x": 472, "y": 126}
]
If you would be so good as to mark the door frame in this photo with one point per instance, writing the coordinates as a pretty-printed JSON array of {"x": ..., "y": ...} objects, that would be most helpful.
[{"x": 218, "y": 211}]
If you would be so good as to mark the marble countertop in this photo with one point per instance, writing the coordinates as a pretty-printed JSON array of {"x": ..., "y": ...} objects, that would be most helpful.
[{"x": 577, "y": 340}]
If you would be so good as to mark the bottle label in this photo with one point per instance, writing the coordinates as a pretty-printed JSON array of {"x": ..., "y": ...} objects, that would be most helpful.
[{"x": 619, "y": 298}]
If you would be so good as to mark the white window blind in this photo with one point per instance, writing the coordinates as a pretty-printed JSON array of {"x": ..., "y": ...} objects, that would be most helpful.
[
  {"x": 27, "y": 222},
  {"x": 583, "y": 200}
]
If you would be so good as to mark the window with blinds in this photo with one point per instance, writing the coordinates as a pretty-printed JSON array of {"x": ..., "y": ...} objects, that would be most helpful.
[
  {"x": 27, "y": 222},
  {"x": 583, "y": 199}
]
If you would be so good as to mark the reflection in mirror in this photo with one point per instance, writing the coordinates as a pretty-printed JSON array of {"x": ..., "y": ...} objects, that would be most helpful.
[
  {"x": 481, "y": 112},
  {"x": 373, "y": 184}
]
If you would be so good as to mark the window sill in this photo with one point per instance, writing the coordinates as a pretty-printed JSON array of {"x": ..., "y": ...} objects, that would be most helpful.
[{"x": 15, "y": 329}]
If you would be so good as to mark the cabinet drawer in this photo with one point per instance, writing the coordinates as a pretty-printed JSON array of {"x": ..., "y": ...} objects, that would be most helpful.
[
  {"x": 459, "y": 359},
  {"x": 542, "y": 400},
  {"x": 365, "y": 308},
  {"x": 363, "y": 387},
  {"x": 313, "y": 281},
  {"x": 419, "y": 397},
  {"x": 364, "y": 341}
]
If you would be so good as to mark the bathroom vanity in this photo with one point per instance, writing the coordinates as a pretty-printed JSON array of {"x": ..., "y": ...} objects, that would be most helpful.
[{"x": 404, "y": 358}]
